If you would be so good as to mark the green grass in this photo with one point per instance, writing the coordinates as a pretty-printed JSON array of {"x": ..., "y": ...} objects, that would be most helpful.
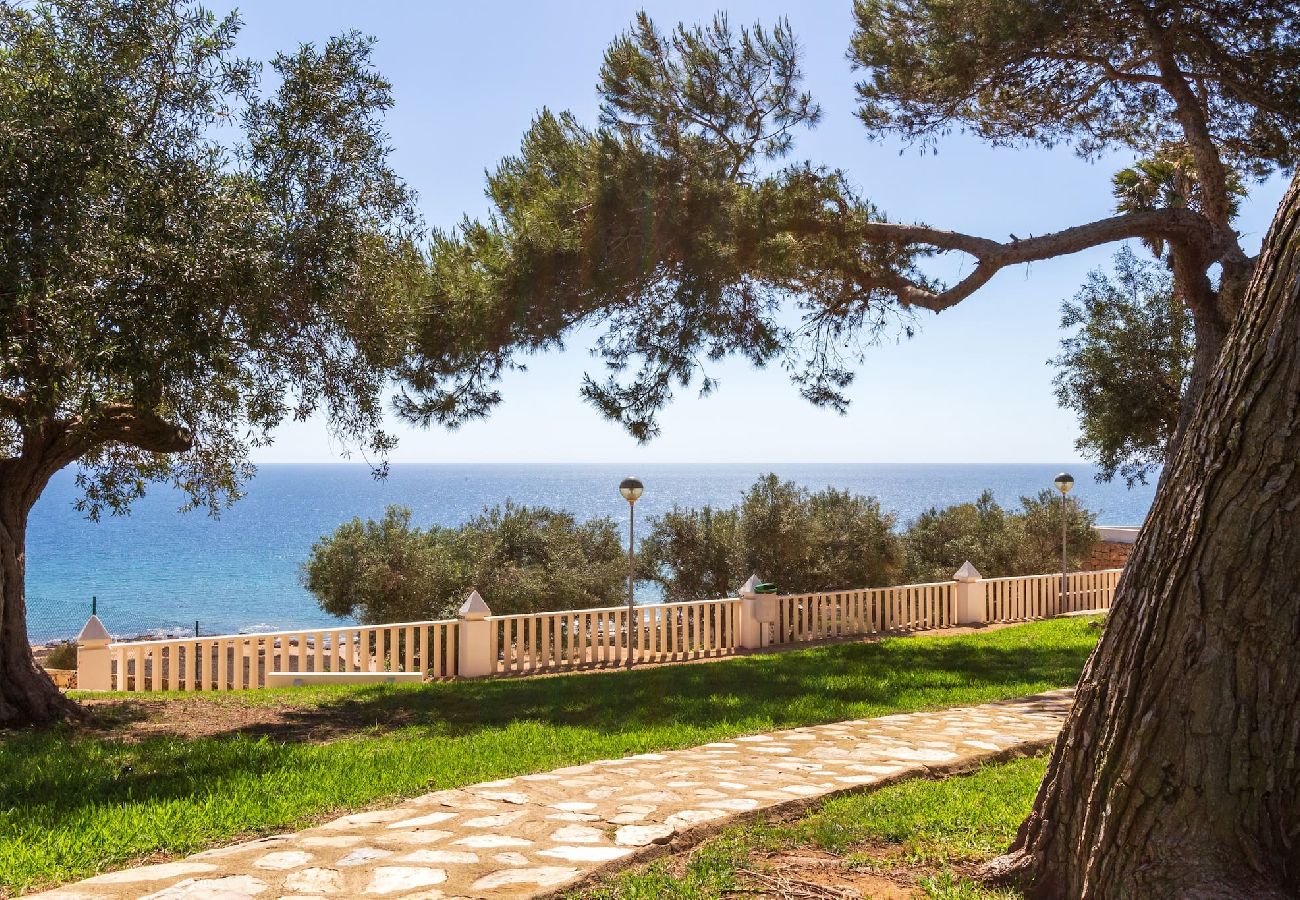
[
  {"x": 73, "y": 803},
  {"x": 934, "y": 824}
]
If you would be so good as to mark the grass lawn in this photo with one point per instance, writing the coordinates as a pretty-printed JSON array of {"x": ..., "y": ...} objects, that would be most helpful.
[
  {"x": 166, "y": 777},
  {"x": 914, "y": 839}
]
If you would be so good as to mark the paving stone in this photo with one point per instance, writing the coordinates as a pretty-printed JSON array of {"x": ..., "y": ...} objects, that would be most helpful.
[
  {"x": 248, "y": 847},
  {"x": 315, "y": 880},
  {"x": 283, "y": 859},
  {"x": 487, "y": 841},
  {"x": 332, "y": 840},
  {"x": 857, "y": 779},
  {"x": 626, "y": 818},
  {"x": 736, "y": 804},
  {"x": 688, "y": 818},
  {"x": 803, "y": 790},
  {"x": 540, "y": 876},
  {"x": 642, "y": 835},
  {"x": 229, "y": 887},
  {"x": 506, "y": 796},
  {"x": 495, "y": 821},
  {"x": 420, "y": 821},
  {"x": 571, "y": 806},
  {"x": 363, "y": 855},
  {"x": 442, "y": 857},
  {"x": 418, "y": 837},
  {"x": 391, "y": 879},
  {"x": 573, "y": 817},
  {"x": 369, "y": 818},
  {"x": 578, "y": 834}
]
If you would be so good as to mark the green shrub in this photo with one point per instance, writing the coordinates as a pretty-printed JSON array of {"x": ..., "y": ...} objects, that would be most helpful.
[
  {"x": 62, "y": 655},
  {"x": 520, "y": 558}
]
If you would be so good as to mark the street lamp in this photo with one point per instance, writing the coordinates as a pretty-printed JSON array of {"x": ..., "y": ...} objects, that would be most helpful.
[
  {"x": 631, "y": 489},
  {"x": 1063, "y": 483}
]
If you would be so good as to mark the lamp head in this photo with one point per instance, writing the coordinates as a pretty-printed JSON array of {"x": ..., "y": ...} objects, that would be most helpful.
[
  {"x": 1064, "y": 482},
  {"x": 631, "y": 489}
]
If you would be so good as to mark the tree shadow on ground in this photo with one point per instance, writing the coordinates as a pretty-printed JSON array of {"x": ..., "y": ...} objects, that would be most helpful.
[{"x": 825, "y": 684}]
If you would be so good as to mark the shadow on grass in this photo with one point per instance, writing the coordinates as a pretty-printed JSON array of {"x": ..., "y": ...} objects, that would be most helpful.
[
  {"x": 834, "y": 681},
  {"x": 671, "y": 705}
]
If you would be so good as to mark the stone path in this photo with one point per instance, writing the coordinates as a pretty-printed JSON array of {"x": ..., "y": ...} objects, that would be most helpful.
[{"x": 541, "y": 834}]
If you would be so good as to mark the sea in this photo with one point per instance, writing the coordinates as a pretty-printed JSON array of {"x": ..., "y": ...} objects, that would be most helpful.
[{"x": 162, "y": 572}]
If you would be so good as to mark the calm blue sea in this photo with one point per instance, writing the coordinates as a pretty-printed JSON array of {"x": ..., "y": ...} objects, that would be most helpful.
[{"x": 160, "y": 570}]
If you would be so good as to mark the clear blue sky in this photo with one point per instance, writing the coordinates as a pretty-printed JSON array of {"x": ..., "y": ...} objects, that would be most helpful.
[{"x": 972, "y": 386}]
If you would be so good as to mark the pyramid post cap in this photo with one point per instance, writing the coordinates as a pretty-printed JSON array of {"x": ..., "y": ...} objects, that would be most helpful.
[
  {"x": 748, "y": 586},
  {"x": 94, "y": 632},
  {"x": 474, "y": 607},
  {"x": 967, "y": 572}
]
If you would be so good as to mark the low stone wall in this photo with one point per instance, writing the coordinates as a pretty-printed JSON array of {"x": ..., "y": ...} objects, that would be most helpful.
[
  {"x": 1108, "y": 555},
  {"x": 64, "y": 678}
]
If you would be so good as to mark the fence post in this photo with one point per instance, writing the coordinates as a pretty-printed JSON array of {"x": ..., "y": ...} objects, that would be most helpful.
[
  {"x": 754, "y": 616},
  {"x": 969, "y": 595},
  {"x": 94, "y": 662},
  {"x": 475, "y": 638}
]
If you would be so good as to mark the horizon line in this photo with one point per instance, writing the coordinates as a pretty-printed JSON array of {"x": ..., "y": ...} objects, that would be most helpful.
[{"x": 526, "y": 462}]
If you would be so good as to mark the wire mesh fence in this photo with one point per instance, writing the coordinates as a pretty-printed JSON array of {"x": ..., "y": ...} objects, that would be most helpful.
[{"x": 51, "y": 621}]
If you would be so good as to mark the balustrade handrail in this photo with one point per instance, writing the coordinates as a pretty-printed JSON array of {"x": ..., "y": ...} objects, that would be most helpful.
[
  {"x": 308, "y": 631},
  {"x": 885, "y": 587},
  {"x": 542, "y": 614}
]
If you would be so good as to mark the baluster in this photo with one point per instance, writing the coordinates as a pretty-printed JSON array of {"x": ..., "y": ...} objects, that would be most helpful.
[
  {"x": 613, "y": 624},
  {"x": 223, "y": 666},
  {"x": 644, "y": 635}
]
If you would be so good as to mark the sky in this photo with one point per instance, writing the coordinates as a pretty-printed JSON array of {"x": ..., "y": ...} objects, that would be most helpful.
[{"x": 973, "y": 385}]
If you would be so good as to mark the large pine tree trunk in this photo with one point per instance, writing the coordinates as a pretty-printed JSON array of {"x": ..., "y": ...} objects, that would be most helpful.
[
  {"x": 1178, "y": 771},
  {"x": 27, "y": 695}
]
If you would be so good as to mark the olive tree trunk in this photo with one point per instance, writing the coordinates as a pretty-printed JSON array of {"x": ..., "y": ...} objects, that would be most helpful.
[
  {"x": 1178, "y": 771},
  {"x": 27, "y": 695}
]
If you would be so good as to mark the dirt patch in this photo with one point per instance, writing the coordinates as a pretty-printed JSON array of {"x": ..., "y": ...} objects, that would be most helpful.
[
  {"x": 805, "y": 873},
  {"x": 138, "y": 719},
  {"x": 873, "y": 871}
]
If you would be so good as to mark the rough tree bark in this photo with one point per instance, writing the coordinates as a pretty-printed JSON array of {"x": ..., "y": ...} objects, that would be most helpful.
[
  {"x": 27, "y": 695},
  {"x": 1178, "y": 771}
]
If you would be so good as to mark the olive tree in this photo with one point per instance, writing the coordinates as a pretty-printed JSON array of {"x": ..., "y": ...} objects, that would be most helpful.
[
  {"x": 996, "y": 540},
  {"x": 186, "y": 260},
  {"x": 803, "y": 540}
]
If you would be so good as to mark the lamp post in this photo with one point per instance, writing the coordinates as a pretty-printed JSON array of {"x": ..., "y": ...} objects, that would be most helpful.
[
  {"x": 1063, "y": 483},
  {"x": 631, "y": 489}
]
